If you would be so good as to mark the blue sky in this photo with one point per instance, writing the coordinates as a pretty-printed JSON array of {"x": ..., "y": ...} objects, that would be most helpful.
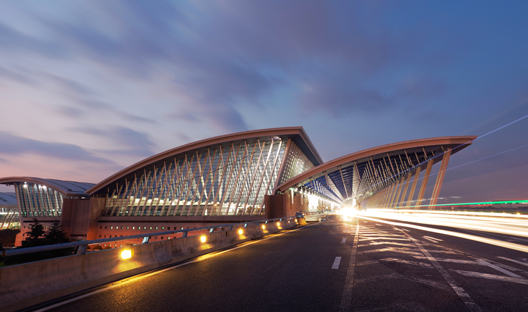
[{"x": 88, "y": 88}]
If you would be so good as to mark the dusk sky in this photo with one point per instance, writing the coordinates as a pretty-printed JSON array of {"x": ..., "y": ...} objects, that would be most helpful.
[{"x": 90, "y": 87}]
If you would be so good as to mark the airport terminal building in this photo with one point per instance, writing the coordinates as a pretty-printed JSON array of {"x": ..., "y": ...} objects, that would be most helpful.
[{"x": 238, "y": 177}]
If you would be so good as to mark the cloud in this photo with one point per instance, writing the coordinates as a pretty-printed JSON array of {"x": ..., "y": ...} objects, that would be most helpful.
[
  {"x": 15, "y": 145},
  {"x": 16, "y": 76},
  {"x": 126, "y": 140}
]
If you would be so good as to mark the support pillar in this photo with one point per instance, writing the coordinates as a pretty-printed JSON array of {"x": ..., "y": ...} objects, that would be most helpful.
[
  {"x": 393, "y": 197},
  {"x": 406, "y": 186},
  {"x": 424, "y": 183},
  {"x": 413, "y": 188},
  {"x": 397, "y": 197},
  {"x": 440, "y": 179},
  {"x": 389, "y": 197}
]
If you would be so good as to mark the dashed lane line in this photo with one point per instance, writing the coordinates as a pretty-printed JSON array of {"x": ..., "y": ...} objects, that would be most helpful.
[{"x": 335, "y": 266}]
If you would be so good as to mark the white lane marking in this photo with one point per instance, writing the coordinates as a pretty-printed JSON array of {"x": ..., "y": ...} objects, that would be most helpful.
[
  {"x": 397, "y": 275},
  {"x": 451, "y": 260},
  {"x": 389, "y": 249},
  {"x": 425, "y": 265},
  {"x": 136, "y": 278},
  {"x": 380, "y": 235},
  {"x": 431, "y": 240},
  {"x": 386, "y": 243},
  {"x": 472, "y": 306},
  {"x": 498, "y": 269},
  {"x": 493, "y": 277},
  {"x": 346, "y": 298},
  {"x": 518, "y": 262},
  {"x": 388, "y": 238},
  {"x": 343, "y": 240},
  {"x": 335, "y": 266},
  {"x": 436, "y": 239}
]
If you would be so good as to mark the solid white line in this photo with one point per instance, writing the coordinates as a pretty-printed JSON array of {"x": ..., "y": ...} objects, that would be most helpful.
[
  {"x": 133, "y": 279},
  {"x": 462, "y": 294},
  {"x": 335, "y": 266},
  {"x": 518, "y": 262},
  {"x": 498, "y": 269},
  {"x": 349, "y": 282},
  {"x": 343, "y": 240}
]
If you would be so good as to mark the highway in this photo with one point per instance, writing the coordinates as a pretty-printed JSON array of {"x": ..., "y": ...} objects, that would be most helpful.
[{"x": 363, "y": 263}]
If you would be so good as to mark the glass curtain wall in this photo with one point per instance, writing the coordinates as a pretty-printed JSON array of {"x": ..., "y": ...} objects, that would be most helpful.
[
  {"x": 37, "y": 200},
  {"x": 217, "y": 181},
  {"x": 9, "y": 217}
]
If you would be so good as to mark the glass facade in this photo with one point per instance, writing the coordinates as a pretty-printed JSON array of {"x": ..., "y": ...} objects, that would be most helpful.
[
  {"x": 296, "y": 163},
  {"x": 9, "y": 217},
  {"x": 218, "y": 180},
  {"x": 37, "y": 200}
]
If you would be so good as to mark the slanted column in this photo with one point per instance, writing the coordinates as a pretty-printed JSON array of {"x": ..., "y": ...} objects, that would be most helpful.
[
  {"x": 389, "y": 197},
  {"x": 398, "y": 192},
  {"x": 424, "y": 183},
  {"x": 383, "y": 196},
  {"x": 413, "y": 188},
  {"x": 395, "y": 191},
  {"x": 405, "y": 187},
  {"x": 440, "y": 179}
]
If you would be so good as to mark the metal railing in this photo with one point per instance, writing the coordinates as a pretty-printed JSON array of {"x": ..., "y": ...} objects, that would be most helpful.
[{"x": 146, "y": 238}]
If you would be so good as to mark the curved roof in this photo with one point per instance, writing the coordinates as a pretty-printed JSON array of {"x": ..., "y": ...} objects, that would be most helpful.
[
  {"x": 343, "y": 177},
  {"x": 67, "y": 188},
  {"x": 297, "y": 134},
  {"x": 8, "y": 198}
]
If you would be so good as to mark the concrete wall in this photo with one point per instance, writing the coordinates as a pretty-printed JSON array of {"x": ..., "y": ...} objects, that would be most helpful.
[{"x": 25, "y": 285}]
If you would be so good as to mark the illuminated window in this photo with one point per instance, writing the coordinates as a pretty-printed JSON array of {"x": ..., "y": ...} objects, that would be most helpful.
[
  {"x": 163, "y": 228},
  {"x": 127, "y": 227},
  {"x": 111, "y": 228},
  {"x": 133, "y": 228}
]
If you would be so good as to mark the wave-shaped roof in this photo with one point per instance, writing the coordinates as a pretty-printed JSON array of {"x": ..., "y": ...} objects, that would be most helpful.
[
  {"x": 67, "y": 188},
  {"x": 297, "y": 134}
]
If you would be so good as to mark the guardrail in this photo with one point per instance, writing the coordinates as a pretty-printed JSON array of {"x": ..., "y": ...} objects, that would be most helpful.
[{"x": 146, "y": 238}]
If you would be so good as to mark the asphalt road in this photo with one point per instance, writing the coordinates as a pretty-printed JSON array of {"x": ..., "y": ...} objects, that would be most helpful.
[{"x": 327, "y": 267}]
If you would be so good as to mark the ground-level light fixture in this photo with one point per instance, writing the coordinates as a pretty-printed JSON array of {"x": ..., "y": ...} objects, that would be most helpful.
[
  {"x": 263, "y": 227},
  {"x": 240, "y": 231},
  {"x": 126, "y": 254},
  {"x": 203, "y": 239}
]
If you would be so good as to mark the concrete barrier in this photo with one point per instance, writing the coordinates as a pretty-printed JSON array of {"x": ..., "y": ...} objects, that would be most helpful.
[{"x": 25, "y": 285}]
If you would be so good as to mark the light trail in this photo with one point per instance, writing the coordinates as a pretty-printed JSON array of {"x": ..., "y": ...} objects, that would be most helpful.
[
  {"x": 476, "y": 238},
  {"x": 491, "y": 223}
]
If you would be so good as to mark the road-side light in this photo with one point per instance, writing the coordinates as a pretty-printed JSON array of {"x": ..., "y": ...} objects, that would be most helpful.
[
  {"x": 263, "y": 227},
  {"x": 203, "y": 238},
  {"x": 126, "y": 254},
  {"x": 240, "y": 231}
]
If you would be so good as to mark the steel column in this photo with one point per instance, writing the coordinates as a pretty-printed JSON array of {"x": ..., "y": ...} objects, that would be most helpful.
[
  {"x": 413, "y": 188},
  {"x": 424, "y": 183},
  {"x": 440, "y": 178}
]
